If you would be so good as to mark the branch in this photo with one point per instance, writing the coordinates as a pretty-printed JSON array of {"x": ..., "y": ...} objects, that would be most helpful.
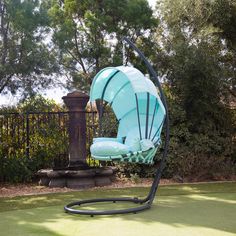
[
  {"x": 91, "y": 66},
  {"x": 84, "y": 27},
  {"x": 70, "y": 67},
  {"x": 77, "y": 49},
  {"x": 233, "y": 93},
  {"x": 73, "y": 56}
]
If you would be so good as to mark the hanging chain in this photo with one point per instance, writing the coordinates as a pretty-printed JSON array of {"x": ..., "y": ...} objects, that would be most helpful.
[{"x": 123, "y": 54}]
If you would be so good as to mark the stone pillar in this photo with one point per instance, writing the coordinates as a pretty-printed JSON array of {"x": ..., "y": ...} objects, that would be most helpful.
[
  {"x": 76, "y": 103},
  {"x": 78, "y": 174}
]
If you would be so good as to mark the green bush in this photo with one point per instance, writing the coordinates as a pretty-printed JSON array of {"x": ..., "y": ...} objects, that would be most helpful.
[
  {"x": 208, "y": 153},
  {"x": 47, "y": 144}
]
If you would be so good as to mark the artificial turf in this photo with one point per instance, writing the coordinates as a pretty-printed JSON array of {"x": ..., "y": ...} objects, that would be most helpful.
[{"x": 198, "y": 209}]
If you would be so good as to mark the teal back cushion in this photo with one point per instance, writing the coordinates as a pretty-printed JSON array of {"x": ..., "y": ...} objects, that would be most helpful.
[{"x": 132, "y": 140}]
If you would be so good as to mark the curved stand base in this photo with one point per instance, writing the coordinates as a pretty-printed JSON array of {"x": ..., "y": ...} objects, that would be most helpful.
[{"x": 69, "y": 208}]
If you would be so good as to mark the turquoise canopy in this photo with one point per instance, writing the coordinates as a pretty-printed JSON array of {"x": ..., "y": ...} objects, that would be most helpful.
[{"x": 133, "y": 98}]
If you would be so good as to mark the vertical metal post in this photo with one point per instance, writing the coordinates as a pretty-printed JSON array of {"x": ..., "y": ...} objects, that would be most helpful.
[{"x": 27, "y": 136}]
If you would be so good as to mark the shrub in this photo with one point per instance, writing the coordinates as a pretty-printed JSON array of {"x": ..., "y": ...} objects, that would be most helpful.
[
  {"x": 45, "y": 139},
  {"x": 208, "y": 153}
]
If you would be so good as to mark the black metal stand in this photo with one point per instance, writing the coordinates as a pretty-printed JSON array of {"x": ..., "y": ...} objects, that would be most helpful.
[
  {"x": 107, "y": 212},
  {"x": 146, "y": 202}
]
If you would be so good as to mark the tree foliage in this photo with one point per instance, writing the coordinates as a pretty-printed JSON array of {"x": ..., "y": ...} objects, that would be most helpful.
[
  {"x": 200, "y": 78},
  {"x": 192, "y": 44},
  {"x": 86, "y": 33},
  {"x": 25, "y": 58},
  {"x": 211, "y": 24}
]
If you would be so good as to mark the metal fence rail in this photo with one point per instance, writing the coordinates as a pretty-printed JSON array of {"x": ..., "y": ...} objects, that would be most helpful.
[{"x": 40, "y": 135}]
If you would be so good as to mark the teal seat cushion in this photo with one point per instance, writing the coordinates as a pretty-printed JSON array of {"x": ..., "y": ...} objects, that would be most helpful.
[
  {"x": 108, "y": 148},
  {"x": 105, "y": 139}
]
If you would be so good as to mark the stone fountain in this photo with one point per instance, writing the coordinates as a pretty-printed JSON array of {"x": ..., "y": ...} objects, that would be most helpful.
[{"x": 77, "y": 174}]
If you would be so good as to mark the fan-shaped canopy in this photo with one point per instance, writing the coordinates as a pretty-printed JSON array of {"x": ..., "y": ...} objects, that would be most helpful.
[{"x": 133, "y": 98}]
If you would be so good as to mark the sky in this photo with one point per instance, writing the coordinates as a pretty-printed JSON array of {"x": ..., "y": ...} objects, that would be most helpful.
[
  {"x": 152, "y": 3},
  {"x": 55, "y": 93}
]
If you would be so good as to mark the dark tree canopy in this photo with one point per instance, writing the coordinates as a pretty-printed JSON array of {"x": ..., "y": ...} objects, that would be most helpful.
[
  {"x": 25, "y": 58},
  {"x": 212, "y": 23},
  {"x": 87, "y": 33},
  {"x": 196, "y": 57}
]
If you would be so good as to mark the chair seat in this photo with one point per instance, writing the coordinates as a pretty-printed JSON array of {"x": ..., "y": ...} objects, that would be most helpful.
[
  {"x": 115, "y": 151},
  {"x": 108, "y": 148}
]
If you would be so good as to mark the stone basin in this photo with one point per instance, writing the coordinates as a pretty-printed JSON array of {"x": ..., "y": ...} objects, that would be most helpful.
[{"x": 77, "y": 179}]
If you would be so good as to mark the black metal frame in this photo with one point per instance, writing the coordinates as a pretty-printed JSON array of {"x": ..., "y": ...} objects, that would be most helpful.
[{"x": 146, "y": 202}]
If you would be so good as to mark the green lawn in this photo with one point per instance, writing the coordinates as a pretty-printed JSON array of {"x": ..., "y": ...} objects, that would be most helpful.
[{"x": 186, "y": 210}]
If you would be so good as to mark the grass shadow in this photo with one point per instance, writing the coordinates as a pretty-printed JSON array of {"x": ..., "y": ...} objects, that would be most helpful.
[{"x": 178, "y": 210}]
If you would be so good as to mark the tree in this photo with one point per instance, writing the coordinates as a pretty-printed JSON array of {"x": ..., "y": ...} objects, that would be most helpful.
[
  {"x": 200, "y": 59},
  {"x": 209, "y": 22},
  {"x": 197, "y": 62},
  {"x": 25, "y": 59},
  {"x": 87, "y": 33}
]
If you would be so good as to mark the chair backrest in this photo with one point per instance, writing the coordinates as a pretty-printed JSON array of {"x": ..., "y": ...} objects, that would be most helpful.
[
  {"x": 130, "y": 129},
  {"x": 134, "y": 100}
]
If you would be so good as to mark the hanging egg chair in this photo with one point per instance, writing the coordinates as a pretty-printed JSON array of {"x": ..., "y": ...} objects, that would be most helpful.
[{"x": 141, "y": 111}]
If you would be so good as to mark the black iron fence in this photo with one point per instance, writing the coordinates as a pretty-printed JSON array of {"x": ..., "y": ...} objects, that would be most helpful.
[{"x": 42, "y": 135}]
